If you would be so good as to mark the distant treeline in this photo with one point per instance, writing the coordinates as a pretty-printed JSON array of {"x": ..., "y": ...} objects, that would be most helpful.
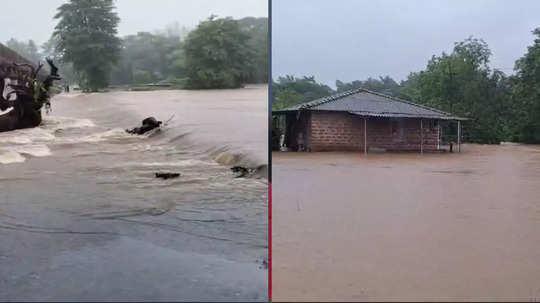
[
  {"x": 218, "y": 53},
  {"x": 500, "y": 107}
]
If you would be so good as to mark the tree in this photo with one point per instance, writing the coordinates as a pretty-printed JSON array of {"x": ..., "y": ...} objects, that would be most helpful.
[
  {"x": 86, "y": 34},
  {"x": 384, "y": 85},
  {"x": 286, "y": 98},
  {"x": 28, "y": 50},
  {"x": 526, "y": 92},
  {"x": 173, "y": 30},
  {"x": 216, "y": 54},
  {"x": 65, "y": 68},
  {"x": 144, "y": 58},
  {"x": 463, "y": 84},
  {"x": 257, "y": 29},
  {"x": 288, "y": 91}
]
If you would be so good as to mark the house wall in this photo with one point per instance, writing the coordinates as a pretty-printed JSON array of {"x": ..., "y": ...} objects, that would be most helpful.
[{"x": 340, "y": 131}]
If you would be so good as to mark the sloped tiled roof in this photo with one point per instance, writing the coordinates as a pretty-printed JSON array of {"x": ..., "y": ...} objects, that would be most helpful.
[{"x": 367, "y": 103}]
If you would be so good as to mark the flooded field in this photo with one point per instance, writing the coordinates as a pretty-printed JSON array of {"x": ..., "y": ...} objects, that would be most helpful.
[
  {"x": 82, "y": 216},
  {"x": 407, "y": 226}
]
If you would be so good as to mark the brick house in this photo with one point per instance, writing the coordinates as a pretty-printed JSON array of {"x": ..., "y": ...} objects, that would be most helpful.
[{"x": 362, "y": 120}]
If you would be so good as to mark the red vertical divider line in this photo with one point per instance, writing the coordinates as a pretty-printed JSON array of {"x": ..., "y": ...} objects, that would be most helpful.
[
  {"x": 269, "y": 46},
  {"x": 269, "y": 241}
]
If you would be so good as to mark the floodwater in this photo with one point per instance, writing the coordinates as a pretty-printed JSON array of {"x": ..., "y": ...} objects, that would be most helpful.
[
  {"x": 82, "y": 216},
  {"x": 449, "y": 227}
]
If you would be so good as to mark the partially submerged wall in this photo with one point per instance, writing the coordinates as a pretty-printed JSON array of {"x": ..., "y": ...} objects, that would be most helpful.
[
  {"x": 341, "y": 131},
  {"x": 336, "y": 131}
]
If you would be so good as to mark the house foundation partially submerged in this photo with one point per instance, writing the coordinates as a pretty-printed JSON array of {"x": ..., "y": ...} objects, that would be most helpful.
[{"x": 362, "y": 120}]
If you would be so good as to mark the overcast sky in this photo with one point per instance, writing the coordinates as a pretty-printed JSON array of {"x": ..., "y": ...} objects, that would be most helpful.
[
  {"x": 354, "y": 39},
  {"x": 33, "y": 19}
]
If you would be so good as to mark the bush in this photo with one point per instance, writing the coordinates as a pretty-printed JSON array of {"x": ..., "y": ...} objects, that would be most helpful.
[{"x": 141, "y": 76}]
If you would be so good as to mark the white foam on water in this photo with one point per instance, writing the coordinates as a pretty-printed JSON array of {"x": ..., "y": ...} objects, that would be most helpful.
[
  {"x": 31, "y": 141},
  {"x": 9, "y": 157},
  {"x": 57, "y": 122},
  {"x": 112, "y": 134},
  {"x": 35, "y": 150},
  {"x": 227, "y": 158},
  {"x": 26, "y": 136},
  {"x": 115, "y": 134},
  {"x": 45, "y": 132},
  {"x": 150, "y": 147},
  {"x": 14, "y": 153},
  {"x": 178, "y": 163}
]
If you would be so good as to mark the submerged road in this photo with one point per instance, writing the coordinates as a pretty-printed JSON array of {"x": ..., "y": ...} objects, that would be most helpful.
[{"x": 82, "y": 217}]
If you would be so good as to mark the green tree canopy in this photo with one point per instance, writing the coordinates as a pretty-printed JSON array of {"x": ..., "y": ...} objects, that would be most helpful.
[
  {"x": 28, "y": 50},
  {"x": 257, "y": 29},
  {"x": 463, "y": 84},
  {"x": 65, "y": 68},
  {"x": 86, "y": 34},
  {"x": 289, "y": 90},
  {"x": 526, "y": 92},
  {"x": 145, "y": 57},
  {"x": 385, "y": 85},
  {"x": 217, "y": 53}
]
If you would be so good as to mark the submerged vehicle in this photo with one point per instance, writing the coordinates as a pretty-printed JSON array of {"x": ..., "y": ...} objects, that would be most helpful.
[{"x": 24, "y": 92}]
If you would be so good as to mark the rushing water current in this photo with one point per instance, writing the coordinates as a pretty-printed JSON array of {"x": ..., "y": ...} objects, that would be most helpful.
[{"x": 82, "y": 215}]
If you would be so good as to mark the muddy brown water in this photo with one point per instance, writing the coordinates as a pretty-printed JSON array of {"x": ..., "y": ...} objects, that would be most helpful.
[
  {"x": 82, "y": 216},
  {"x": 448, "y": 227}
]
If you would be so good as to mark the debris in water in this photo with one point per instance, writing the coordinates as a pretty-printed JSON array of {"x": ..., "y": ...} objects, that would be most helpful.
[
  {"x": 260, "y": 171},
  {"x": 148, "y": 124},
  {"x": 264, "y": 264},
  {"x": 240, "y": 171},
  {"x": 166, "y": 176}
]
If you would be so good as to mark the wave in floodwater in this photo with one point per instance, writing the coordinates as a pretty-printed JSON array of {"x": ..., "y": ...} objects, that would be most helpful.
[
  {"x": 17, "y": 145},
  {"x": 87, "y": 146},
  {"x": 57, "y": 132},
  {"x": 81, "y": 179},
  {"x": 125, "y": 165}
]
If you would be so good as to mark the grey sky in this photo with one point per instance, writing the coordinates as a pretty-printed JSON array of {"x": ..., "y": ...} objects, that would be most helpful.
[
  {"x": 33, "y": 19},
  {"x": 354, "y": 39}
]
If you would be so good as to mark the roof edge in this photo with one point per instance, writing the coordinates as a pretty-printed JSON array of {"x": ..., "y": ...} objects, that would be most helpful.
[
  {"x": 408, "y": 102},
  {"x": 330, "y": 98},
  {"x": 308, "y": 105},
  {"x": 410, "y": 116}
]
